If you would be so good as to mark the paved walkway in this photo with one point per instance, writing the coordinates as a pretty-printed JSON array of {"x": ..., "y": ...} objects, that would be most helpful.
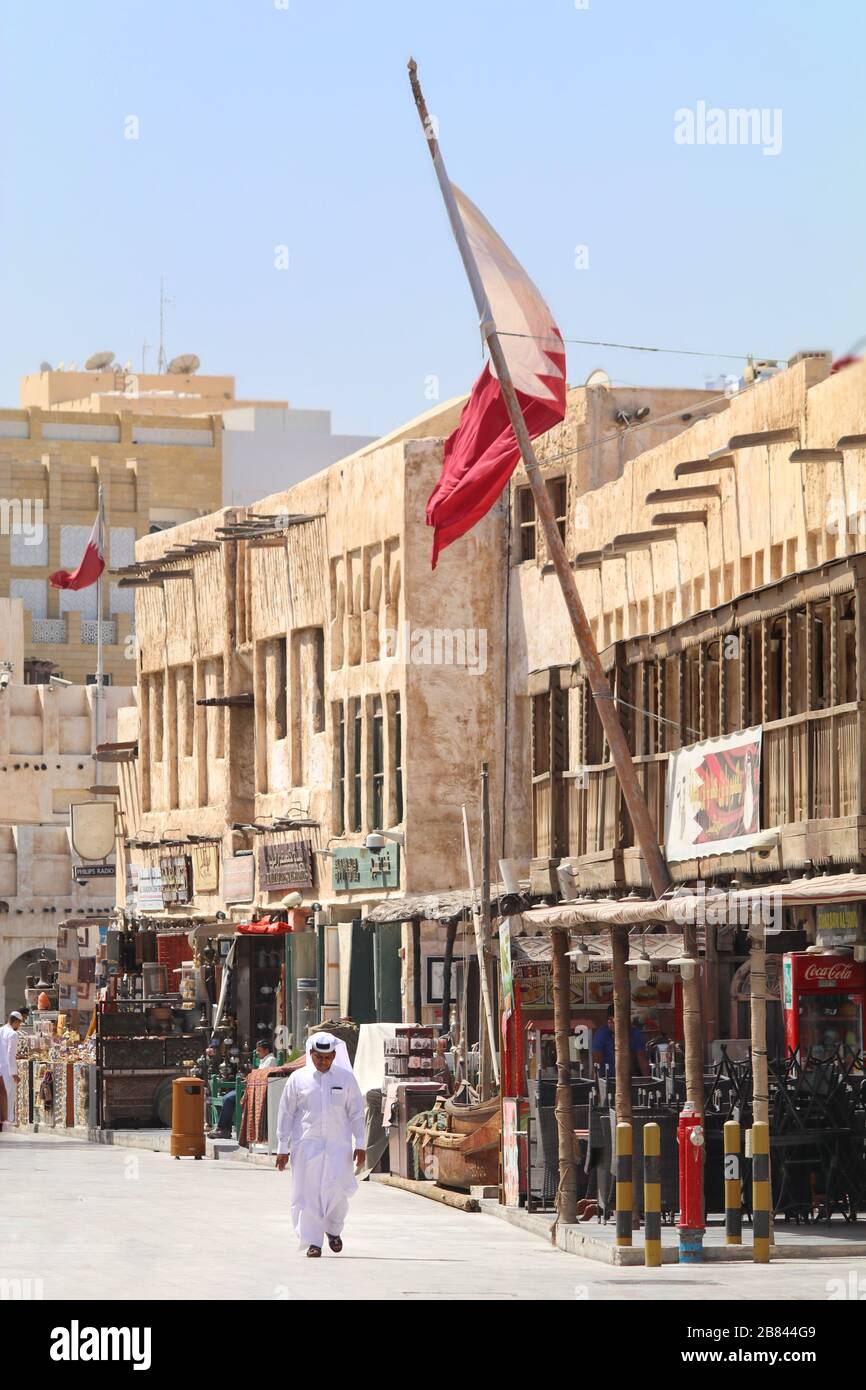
[{"x": 94, "y": 1221}]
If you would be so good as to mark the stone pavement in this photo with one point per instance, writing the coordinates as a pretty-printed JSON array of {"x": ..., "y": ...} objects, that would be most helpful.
[{"x": 98, "y": 1221}]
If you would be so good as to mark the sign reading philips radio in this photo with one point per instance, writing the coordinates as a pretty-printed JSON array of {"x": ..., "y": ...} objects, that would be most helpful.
[
  {"x": 286, "y": 864},
  {"x": 358, "y": 867},
  {"x": 713, "y": 801}
]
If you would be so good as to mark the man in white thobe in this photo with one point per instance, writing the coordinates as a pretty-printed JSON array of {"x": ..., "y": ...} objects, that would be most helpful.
[
  {"x": 321, "y": 1125},
  {"x": 9, "y": 1064}
]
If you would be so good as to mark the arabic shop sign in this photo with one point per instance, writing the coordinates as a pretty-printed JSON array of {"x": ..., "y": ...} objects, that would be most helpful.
[
  {"x": 355, "y": 867},
  {"x": 285, "y": 864}
]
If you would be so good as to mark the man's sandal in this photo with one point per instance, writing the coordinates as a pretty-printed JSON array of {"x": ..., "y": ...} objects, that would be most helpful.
[
  {"x": 314, "y": 1252},
  {"x": 335, "y": 1244}
]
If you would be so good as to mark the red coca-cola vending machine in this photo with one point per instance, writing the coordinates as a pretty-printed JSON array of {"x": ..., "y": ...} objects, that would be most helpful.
[{"x": 823, "y": 998}]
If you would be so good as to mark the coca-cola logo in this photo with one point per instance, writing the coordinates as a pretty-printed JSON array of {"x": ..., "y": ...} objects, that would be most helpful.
[{"x": 839, "y": 971}]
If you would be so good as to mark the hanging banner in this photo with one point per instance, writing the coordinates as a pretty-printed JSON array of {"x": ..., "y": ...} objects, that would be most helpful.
[
  {"x": 205, "y": 863},
  {"x": 175, "y": 874},
  {"x": 507, "y": 986},
  {"x": 238, "y": 878},
  {"x": 285, "y": 864},
  {"x": 510, "y": 1153},
  {"x": 148, "y": 894},
  {"x": 713, "y": 799}
]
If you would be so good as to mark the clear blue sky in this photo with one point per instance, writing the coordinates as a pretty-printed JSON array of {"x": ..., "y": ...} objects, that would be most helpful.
[{"x": 262, "y": 126}]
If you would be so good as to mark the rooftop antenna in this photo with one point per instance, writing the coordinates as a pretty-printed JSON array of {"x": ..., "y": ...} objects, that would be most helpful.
[
  {"x": 145, "y": 349},
  {"x": 160, "y": 365}
]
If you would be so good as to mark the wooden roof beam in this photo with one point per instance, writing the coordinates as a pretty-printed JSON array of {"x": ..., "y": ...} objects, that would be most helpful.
[
  {"x": 639, "y": 540},
  {"x": 758, "y": 438},
  {"x": 816, "y": 456},
  {"x": 679, "y": 518},
  {"x": 719, "y": 458},
  {"x": 683, "y": 494}
]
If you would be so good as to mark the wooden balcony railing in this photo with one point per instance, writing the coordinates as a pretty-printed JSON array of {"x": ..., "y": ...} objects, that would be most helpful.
[{"x": 810, "y": 770}]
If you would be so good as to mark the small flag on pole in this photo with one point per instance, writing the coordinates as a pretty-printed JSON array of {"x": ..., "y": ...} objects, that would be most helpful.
[
  {"x": 91, "y": 566},
  {"x": 481, "y": 454}
]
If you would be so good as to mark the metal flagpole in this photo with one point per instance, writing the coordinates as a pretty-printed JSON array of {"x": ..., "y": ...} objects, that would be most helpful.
[
  {"x": 644, "y": 831},
  {"x": 97, "y": 711}
]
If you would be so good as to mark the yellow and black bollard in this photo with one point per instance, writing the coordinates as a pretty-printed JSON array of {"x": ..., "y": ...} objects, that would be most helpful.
[
  {"x": 733, "y": 1187},
  {"x": 652, "y": 1195},
  {"x": 761, "y": 1192},
  {"x": 623, "y": 1183}
]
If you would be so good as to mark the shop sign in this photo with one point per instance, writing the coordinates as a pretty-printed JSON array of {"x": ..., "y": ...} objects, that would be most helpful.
[
  {"x": 285, "y": 864},
  {"x": 837, "y": 926},
  {"x": 175, "y": 872},
  {"x": 93, "y": 871},
  {"x": 238, "y": 878},
  {"x": 91, "y": 826},
  {"x": 357, "y": 867},
  {"x": 205, "y": 860},
  {"x": 148, "y": 894}
]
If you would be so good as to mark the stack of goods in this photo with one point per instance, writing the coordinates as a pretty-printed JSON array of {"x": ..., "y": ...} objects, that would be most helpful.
[
  {"x": 84, "y": 1094},
  {"x": 172, "y": 949}
]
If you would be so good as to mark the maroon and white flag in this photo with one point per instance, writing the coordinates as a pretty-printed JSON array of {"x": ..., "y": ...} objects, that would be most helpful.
[
  {"x": 91, "y": 566},
  {"x": 481, "y": 454}
]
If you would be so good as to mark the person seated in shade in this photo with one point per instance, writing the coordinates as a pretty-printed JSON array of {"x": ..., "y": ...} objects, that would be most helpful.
[
  {"x": 264, "y": 1055},
  {"x": 226, "y": 1122}
]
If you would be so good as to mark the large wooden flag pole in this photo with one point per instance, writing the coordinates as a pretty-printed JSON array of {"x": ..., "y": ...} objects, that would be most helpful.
[{"x": 634, "y": 799}]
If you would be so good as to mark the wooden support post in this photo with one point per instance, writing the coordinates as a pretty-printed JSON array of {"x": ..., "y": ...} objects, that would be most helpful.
[
  {"x": 566, "y": 1200},
  {"x": 693, "y": 1039},
  {"x": 621, "y": 1023}
]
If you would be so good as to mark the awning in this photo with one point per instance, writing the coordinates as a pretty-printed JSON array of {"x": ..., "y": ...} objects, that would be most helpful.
[
  {"x": 718, "y": 906},
  {"x": 431, "y": 907},
  {"x": 532, "y": 956}
]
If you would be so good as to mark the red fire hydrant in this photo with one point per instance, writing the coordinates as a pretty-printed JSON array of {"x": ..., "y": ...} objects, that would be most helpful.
[{"x": 690, "y": 1138}]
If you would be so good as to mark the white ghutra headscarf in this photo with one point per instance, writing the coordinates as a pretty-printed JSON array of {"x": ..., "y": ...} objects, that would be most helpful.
[{"x": 326, "y": 1042}]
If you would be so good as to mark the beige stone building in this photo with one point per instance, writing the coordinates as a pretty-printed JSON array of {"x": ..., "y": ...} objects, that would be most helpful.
[
  {"x": 306, "y": 680},
  {"x": 722, "y": 574},
  {"x": 116, "y": 389},
  {"x": 47, "y": 744},
  {"x": 155, "y": 472}
]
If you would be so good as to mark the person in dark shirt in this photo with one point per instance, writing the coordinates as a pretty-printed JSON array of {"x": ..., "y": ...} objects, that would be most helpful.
[{"x": 604, "y": 1048}]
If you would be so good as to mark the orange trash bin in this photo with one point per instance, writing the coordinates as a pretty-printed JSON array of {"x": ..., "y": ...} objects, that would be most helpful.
[{"x": 187, "y": 1117}]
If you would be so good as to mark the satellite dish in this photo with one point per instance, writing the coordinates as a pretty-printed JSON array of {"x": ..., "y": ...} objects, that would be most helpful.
[
  {"x": 45, "y": 367},
  {"x": 98, "y": 361},
  {"x": 184, "y": 365},
  {"x": 599, "y": 377}
]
